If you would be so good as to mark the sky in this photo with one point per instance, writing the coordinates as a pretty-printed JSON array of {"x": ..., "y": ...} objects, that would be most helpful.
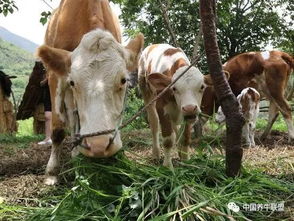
[{"x": 25, "y": 22}]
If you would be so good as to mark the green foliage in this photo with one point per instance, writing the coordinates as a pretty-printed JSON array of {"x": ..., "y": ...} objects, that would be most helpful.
[
  {"x": 16, "y": 62},
  {"x": 242, "y": 25},
  {"x": 25, "y": 127},
  {"x": 44, "y": 17},
  {"x": 24, "y": 135},
  {"x": 133, "y": 105},
  {"x": 7, "y": 6},
  {"x": 279, "y": 124},
  {"x": 121, "y": 189}
]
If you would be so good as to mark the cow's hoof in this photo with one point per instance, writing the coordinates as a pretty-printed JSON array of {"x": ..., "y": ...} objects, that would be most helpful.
[
  {"x": 156, "y": 155},
  {"x": 184, "y": 156},
  {"x": 50, "y": 180},
  {"x": 168, "y": 164}
]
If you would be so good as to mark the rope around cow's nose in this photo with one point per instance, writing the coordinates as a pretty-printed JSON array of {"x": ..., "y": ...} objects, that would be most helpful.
[{"x": 78, "y": 137}]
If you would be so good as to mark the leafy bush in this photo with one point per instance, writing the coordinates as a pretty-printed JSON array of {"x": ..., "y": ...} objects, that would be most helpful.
[{"x": 134, "y": 103}]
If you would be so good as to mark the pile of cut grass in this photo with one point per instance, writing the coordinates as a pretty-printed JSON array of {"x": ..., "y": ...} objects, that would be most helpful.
[{"x": 122, "y": 189}]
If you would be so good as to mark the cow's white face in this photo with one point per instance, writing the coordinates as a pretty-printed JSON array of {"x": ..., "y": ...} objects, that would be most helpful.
[
  {"x": 98, "y": 76},
  {"x": 220, "y": 116},
  {"x": 188, "y": 90}
]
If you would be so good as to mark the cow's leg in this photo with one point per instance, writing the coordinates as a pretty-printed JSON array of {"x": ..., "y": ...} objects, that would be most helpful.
[
  {"x": 277, "y": 81},
  {"x": 53, "y": 164},
  {"x": 246, "y": 134},
  {"x": 185, "y": 144},
  {"x": 251, "y": 134},
  {"x": 151, "y": 113},
  {"x": 58, "y": 133},
  {"x": 285, "y": 109},
  {"x": 286, "y": 112},
  {"x": 272, "y": 116},
  {"x": 154, "y": 126},
  {"x": 168, "y": 136}
]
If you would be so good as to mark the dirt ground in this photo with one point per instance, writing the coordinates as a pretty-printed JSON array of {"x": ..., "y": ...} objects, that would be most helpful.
[{"x": 21, "y": 170}]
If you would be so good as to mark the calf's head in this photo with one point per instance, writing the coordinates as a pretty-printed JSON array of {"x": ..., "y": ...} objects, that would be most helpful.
[
  {"x": 187, "y": 91},
  {"x": 96, "y": 72}
]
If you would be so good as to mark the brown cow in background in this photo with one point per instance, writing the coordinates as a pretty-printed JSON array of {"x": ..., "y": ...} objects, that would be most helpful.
[{"x": 269, "y": 73}]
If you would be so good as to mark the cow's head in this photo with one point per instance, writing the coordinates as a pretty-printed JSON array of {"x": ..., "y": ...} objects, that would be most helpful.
[
  {"x": 220, "y": 116},
  {"x": 187, "y": 91},
  {"x": 97, "y": 72}
]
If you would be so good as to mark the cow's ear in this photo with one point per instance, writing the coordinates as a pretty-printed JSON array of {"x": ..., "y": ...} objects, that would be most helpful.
[
  {"x": 227, "y": 74},
  {"x": 159, "y": 81},
  {"x": 135, "y": 47},
  {"x": 55, "y": 59},
  {"x": 208, "y": 80}
]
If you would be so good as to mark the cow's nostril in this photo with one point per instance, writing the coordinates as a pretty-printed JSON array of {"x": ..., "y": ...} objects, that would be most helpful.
[
  {"x": 189, "y": 108},
  {"x": 85, "y": 144}
]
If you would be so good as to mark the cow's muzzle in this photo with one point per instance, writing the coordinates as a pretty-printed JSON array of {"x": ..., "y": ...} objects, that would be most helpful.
[{"x": 99, "y": 146}]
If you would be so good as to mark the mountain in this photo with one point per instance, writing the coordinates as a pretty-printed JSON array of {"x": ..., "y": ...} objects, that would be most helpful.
[
  {"x": 17, "y": 40},
  {"x": 18, "y": 62}
]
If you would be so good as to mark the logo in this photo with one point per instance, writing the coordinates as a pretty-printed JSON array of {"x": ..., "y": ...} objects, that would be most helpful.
[{"x": 234, "y": 207}]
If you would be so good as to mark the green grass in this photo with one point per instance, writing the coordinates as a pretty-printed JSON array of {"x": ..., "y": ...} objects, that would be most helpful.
[
  {"x": 25, "y": 128},
  {"x": 279, "y": 124},
  {"x": 24, "y": 135},
  {"x": 121, "y": 189}
]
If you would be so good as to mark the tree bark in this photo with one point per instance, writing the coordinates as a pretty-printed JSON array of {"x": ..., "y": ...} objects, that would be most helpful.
[{"x": 228, "y": 101}]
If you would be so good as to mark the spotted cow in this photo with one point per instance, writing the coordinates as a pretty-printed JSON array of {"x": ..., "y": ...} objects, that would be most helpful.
[
  {"x": 249, "y": 100},
  {"x": 268, "y": 72},
  {"x": 159, "y": 65},
  {"x": 87, "y": 68}
]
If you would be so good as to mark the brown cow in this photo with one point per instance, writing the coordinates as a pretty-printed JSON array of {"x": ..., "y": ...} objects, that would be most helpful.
[
  {"x": 159, "y": 65},
  {"x": 91, "y": 79},
  {"x": 269, "y": 73}
]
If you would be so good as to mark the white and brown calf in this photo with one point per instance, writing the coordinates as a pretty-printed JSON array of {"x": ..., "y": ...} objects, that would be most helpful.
[
  {"x": 269, "y": 73},
  {"x": 249, "y": 100},
  {"x": 159, "y": 65}
]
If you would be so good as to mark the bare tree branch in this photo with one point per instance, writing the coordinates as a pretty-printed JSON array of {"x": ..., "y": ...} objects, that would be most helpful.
[
  {"x": 164, "y": 9},
  {"x": 195, "y": 54}
]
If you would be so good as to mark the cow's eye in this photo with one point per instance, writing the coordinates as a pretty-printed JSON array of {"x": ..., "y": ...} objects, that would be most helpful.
[
  {"x": 72, "y": 83},
  {"x": 174, "y": 89},
  {"x": 123, "y": 80},
  {"x": 202, "y": 87}
]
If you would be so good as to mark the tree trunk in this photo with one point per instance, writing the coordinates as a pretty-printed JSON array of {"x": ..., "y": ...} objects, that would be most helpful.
[{"x": 228, "y": 101}]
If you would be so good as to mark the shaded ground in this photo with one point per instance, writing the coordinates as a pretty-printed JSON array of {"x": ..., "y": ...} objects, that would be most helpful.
[
  {"x": 30, "y": 160},
  {"x": 21, "y": 170}
]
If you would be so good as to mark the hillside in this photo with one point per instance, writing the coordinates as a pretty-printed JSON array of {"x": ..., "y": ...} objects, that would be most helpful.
[
  {"x": 18, "y": 62},
  {"x": 17, "y": 40}
]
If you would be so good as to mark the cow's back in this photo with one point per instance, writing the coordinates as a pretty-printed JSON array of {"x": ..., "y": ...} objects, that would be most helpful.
[
  {"x": 75, "y": 18},
  {"x": 162, "y": 58},
  {"x": 243, "y": 68}
]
